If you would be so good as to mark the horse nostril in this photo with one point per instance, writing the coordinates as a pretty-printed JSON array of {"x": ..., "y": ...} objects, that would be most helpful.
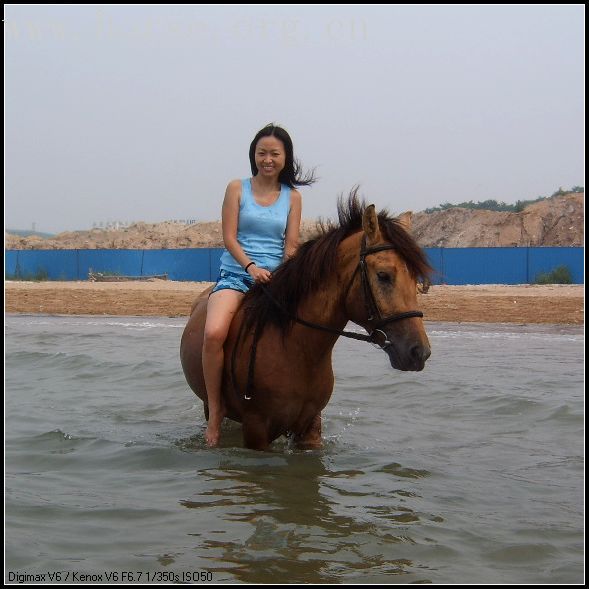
[
  {"x": 419, "y": 354},
  {"x": 427, "y": 352}
]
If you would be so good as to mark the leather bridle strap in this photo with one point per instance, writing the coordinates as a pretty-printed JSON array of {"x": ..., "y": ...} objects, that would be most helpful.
[{"x": 369, "y": 300}]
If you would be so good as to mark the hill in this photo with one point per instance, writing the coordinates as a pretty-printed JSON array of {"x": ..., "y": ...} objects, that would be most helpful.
[{"x": 557, "y": 221}]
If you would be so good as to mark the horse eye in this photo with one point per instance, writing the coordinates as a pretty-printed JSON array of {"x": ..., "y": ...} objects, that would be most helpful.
[{"x": 383, "y": 277}]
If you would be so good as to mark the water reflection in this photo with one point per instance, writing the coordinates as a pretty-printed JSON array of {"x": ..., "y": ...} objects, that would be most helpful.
[{"x": 288, "y": 518}]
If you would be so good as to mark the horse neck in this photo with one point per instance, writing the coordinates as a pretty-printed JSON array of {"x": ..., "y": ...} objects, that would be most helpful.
[{"x": 326, "y": 306}]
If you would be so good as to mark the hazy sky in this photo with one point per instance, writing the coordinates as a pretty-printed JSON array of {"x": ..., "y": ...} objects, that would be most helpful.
[{"x": 147, "y": 112}]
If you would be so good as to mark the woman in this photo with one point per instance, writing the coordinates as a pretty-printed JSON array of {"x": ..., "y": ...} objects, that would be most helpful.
[{"x": 261, "y": 218}]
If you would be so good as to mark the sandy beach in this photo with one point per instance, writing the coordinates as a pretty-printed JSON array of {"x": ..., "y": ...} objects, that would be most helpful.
[{"x": 560, "y": 304}]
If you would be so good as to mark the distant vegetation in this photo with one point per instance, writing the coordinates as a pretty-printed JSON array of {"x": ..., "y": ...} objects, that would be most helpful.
[
  {"x": 560, "y": 275},
  {"x": 493, "y": 205},
  {"x": 40, "y": 276}
]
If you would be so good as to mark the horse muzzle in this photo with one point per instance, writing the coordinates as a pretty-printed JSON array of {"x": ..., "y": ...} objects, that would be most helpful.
[{"x": 407, "y": 358}]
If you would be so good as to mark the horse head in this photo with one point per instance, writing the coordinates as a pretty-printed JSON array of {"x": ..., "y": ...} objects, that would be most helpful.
[{"x": 382, "y": 296}]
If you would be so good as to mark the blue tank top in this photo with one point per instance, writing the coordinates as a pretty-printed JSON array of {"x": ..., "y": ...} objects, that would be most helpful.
[{"x": 260, "y": 230}]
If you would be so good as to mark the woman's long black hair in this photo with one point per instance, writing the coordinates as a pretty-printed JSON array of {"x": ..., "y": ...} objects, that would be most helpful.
[{"x": 292, "y": 175}]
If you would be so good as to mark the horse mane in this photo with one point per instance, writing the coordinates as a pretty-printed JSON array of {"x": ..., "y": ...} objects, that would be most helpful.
[{"x": 302, "y": 274}]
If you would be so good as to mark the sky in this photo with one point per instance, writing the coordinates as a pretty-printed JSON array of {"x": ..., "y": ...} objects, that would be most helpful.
[{"x": 146, "y": 112}]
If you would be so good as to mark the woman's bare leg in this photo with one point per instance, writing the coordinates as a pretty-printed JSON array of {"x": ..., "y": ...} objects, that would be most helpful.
[{"x": 221, "y": 309}]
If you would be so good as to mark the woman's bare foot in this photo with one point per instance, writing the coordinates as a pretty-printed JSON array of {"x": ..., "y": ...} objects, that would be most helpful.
[{"x": 213, "y": 431}]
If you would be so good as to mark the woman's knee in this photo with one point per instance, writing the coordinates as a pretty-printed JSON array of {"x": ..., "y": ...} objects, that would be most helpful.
[
  {"x": 220, "y": 311},
  {"x": 214, "y": 337}
]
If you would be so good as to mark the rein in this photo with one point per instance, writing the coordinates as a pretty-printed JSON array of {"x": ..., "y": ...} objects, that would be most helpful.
[
  {"x": 340, "y": 332},
  {"x": 370, "y": 303}
]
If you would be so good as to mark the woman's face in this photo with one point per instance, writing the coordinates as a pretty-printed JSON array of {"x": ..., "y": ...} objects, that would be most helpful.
[{"x": 270, "y": 156}]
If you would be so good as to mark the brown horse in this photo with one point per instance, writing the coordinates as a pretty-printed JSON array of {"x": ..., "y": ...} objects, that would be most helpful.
[{"x": 278, "y": 372}]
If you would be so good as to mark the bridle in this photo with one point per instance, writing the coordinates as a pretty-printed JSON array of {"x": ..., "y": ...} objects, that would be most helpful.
[
  {"x": 373, "y": 312},
  {"x": 374, "y": 315}
]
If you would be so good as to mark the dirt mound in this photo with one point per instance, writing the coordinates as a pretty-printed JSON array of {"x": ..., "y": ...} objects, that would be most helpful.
[
  {"x": 558, "y": 221},
  {"x": 137, "y": 236}
]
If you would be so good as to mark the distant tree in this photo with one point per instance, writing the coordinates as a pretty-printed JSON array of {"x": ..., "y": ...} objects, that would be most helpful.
[{"x": 493, "y": 205}]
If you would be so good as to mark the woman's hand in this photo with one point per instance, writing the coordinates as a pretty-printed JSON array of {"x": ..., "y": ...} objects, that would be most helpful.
[{"x": 259, "y": 274}]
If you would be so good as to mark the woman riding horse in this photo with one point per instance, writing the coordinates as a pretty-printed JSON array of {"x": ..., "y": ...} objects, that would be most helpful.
[
  {"x": 261, "y": 219},
  {"x": 277, "y": 373}
]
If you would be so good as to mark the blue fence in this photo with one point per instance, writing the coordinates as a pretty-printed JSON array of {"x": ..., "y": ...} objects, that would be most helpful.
[
  {"x": 503, "y": 265},
  {"x": 500, "y": 265}
]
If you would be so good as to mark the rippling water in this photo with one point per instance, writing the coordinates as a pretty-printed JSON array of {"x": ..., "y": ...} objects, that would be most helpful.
[{"x": 470, "y": 471}]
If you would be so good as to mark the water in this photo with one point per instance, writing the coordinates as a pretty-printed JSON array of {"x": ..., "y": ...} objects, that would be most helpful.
[{"x": 469, "y": 472}]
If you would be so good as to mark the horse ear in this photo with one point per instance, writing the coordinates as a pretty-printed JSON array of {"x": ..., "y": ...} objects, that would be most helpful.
[
  {"x": 370, "y": 225},
  {"x": 405, "y": 220}
]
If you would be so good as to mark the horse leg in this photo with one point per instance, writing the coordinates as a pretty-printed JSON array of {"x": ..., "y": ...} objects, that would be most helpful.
[
  {"x": 310, "y": 439},
  {"x": 255, "y": 433}
]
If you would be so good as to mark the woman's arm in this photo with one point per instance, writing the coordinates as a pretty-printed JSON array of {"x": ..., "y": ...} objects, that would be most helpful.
[
  {"x": 293, "y": 224},
  {"x": 230, "y": 220},
  {"x": 229, "y": 223}
]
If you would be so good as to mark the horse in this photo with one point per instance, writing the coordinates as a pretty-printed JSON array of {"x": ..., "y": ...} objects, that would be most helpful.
[{"x": 278, "y": 373}]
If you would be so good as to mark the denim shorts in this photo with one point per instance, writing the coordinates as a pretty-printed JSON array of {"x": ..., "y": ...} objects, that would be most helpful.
[{"x": 233, "y": 281}]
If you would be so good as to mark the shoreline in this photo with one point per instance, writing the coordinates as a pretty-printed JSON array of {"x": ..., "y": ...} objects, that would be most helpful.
[{"x": 553, "y": 304}]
